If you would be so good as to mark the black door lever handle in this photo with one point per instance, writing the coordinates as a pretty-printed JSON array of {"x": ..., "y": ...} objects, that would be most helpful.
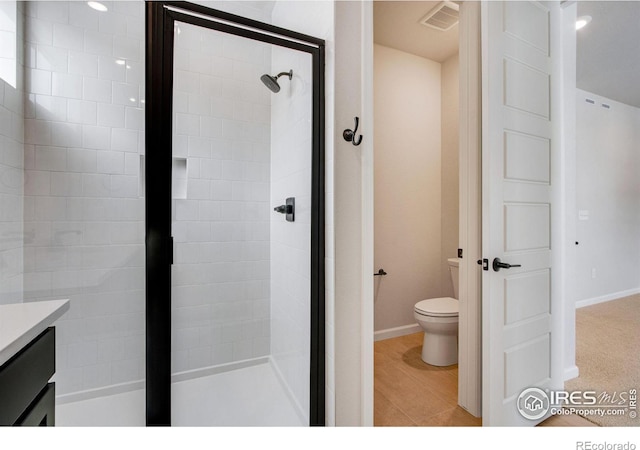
[{"x": 497, "y": 265}]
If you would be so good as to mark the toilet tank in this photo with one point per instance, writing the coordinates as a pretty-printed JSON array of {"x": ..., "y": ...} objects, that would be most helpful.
[{"x": 453, "y": 270}]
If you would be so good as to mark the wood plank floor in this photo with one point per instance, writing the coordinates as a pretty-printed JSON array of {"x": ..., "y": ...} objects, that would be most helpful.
[{"x": 408, "y": 392}]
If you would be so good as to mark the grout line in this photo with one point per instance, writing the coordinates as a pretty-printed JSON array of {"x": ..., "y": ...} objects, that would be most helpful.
[{"x": 413, "y": 421}]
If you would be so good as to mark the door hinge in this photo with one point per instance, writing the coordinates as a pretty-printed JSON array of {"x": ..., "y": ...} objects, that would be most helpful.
[
  {"x": 484, "y": 263},
  {"x": 459, "y": 253}
]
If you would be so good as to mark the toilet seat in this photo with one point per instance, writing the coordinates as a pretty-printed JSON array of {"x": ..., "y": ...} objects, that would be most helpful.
[{"x": 437, "y": 307}]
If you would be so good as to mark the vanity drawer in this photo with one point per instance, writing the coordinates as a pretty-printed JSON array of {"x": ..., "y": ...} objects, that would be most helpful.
[
  {"x": 25, "y": 375},
  {"x": 42, "y": 412}
]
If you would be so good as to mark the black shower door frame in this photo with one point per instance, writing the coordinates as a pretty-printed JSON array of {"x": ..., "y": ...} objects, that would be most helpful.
[{"x": 159, "y": 41}]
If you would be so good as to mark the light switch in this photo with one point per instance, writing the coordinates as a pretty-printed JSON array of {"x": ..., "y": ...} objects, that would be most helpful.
[{"x": 583, "y": 214}]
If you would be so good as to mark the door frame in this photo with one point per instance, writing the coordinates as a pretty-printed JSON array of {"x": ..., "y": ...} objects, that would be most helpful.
[
  {"x": 470, "y": 240},
  {"x": 470, "y": 333},
  {"x": 159, "y": 40},
  {"x": 470, "y": 200}
]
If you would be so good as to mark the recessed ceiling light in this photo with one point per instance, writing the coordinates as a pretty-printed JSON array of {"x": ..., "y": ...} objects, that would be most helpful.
[
  {"x": 120, "y": 62},
  {"x": 582, "y": 22},
  {"x": 97, "y": 6},
  {"x": 132, "y": 99}
]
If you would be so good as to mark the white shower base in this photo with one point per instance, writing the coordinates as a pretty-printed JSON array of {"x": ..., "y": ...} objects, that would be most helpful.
[{"x": 251, "y": 396}]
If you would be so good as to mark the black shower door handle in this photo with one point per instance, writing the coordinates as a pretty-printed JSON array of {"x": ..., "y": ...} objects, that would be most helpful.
[
  {"x": 289, "y": 208},
  {"x": 283, "y": 209}
]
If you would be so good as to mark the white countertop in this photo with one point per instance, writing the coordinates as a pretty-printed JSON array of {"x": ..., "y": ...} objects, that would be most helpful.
[{"x": 21, "y": 322}]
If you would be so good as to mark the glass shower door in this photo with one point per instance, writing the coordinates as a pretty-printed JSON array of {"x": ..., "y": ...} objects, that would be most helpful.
[{"x": 241, "y": 226}]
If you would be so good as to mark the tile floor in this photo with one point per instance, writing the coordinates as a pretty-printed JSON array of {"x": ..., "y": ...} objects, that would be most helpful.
[
  {"x": 251, "y": 396},
  {"x": 408, "y": 392}
]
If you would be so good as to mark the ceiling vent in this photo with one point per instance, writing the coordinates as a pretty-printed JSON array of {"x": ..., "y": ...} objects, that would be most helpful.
[{"x": 443, "y": 17}]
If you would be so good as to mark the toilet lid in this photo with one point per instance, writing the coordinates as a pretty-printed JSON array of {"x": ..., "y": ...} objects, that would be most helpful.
[{"x": 441, "y": 307}]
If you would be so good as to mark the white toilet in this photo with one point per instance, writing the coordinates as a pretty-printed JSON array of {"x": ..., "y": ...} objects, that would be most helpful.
[{"x": 438, "y": 317}]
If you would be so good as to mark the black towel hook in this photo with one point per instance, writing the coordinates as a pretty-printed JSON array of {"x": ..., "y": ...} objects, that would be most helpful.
[{"x": 350, "y": 135}]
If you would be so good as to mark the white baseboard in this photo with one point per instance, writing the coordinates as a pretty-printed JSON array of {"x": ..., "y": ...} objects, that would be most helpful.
[
  {"x": 397, "y": 331},
  {"x": 213, "y": 370},
  {"x": 606, "y": 298},
  {"x": 571, "y": 372},
  {"x": 140, "y": 384},
  {"x": 99, "y": 392}
]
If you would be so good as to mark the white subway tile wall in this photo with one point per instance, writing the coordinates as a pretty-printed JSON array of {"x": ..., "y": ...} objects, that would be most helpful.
[
  {"x": 12, "y": 180},
  {"x": 316, "y": 18},
  {"x": 221, "y": 229},
  {"x": 291, "y": 150},
  {"x": 83, "y": 213}
]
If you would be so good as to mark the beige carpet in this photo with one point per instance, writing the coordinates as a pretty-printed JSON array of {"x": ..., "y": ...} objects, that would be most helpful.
[{"x": 607, "y": 352}]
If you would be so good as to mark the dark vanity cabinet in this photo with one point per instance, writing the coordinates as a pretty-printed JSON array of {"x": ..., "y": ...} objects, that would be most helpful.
[{"x": 27, "y": 398}]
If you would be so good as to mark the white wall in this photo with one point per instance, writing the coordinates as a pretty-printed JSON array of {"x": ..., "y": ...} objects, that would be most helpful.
[
  {"x": 9, "y": 41},
  {"x": 349, "y": 343},
  {"x": 11, "y": 175},
  {"x": 608, "y": 187},
  {"x": 252, "y": 9},
  {"x": 408, "y": 202},
  {"x": 450, "y": 172},
  {"x": 84, "y": 229}
]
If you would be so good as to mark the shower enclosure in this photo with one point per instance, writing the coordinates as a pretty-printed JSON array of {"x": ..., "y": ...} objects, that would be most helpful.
[
  {"x": 146, "y": 197},
  {"x": 234, "y": 209}
]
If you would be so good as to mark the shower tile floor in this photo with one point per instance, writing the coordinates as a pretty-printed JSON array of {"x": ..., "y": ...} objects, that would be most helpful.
[{"x": 251, "y": 396}]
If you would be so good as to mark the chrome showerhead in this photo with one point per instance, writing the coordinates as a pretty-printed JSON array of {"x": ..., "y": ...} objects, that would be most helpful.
[{"x": 272, "y": 81}]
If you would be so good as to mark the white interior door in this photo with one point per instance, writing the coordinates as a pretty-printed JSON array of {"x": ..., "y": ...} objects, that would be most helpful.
[{"x": 521, "y": 141}]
